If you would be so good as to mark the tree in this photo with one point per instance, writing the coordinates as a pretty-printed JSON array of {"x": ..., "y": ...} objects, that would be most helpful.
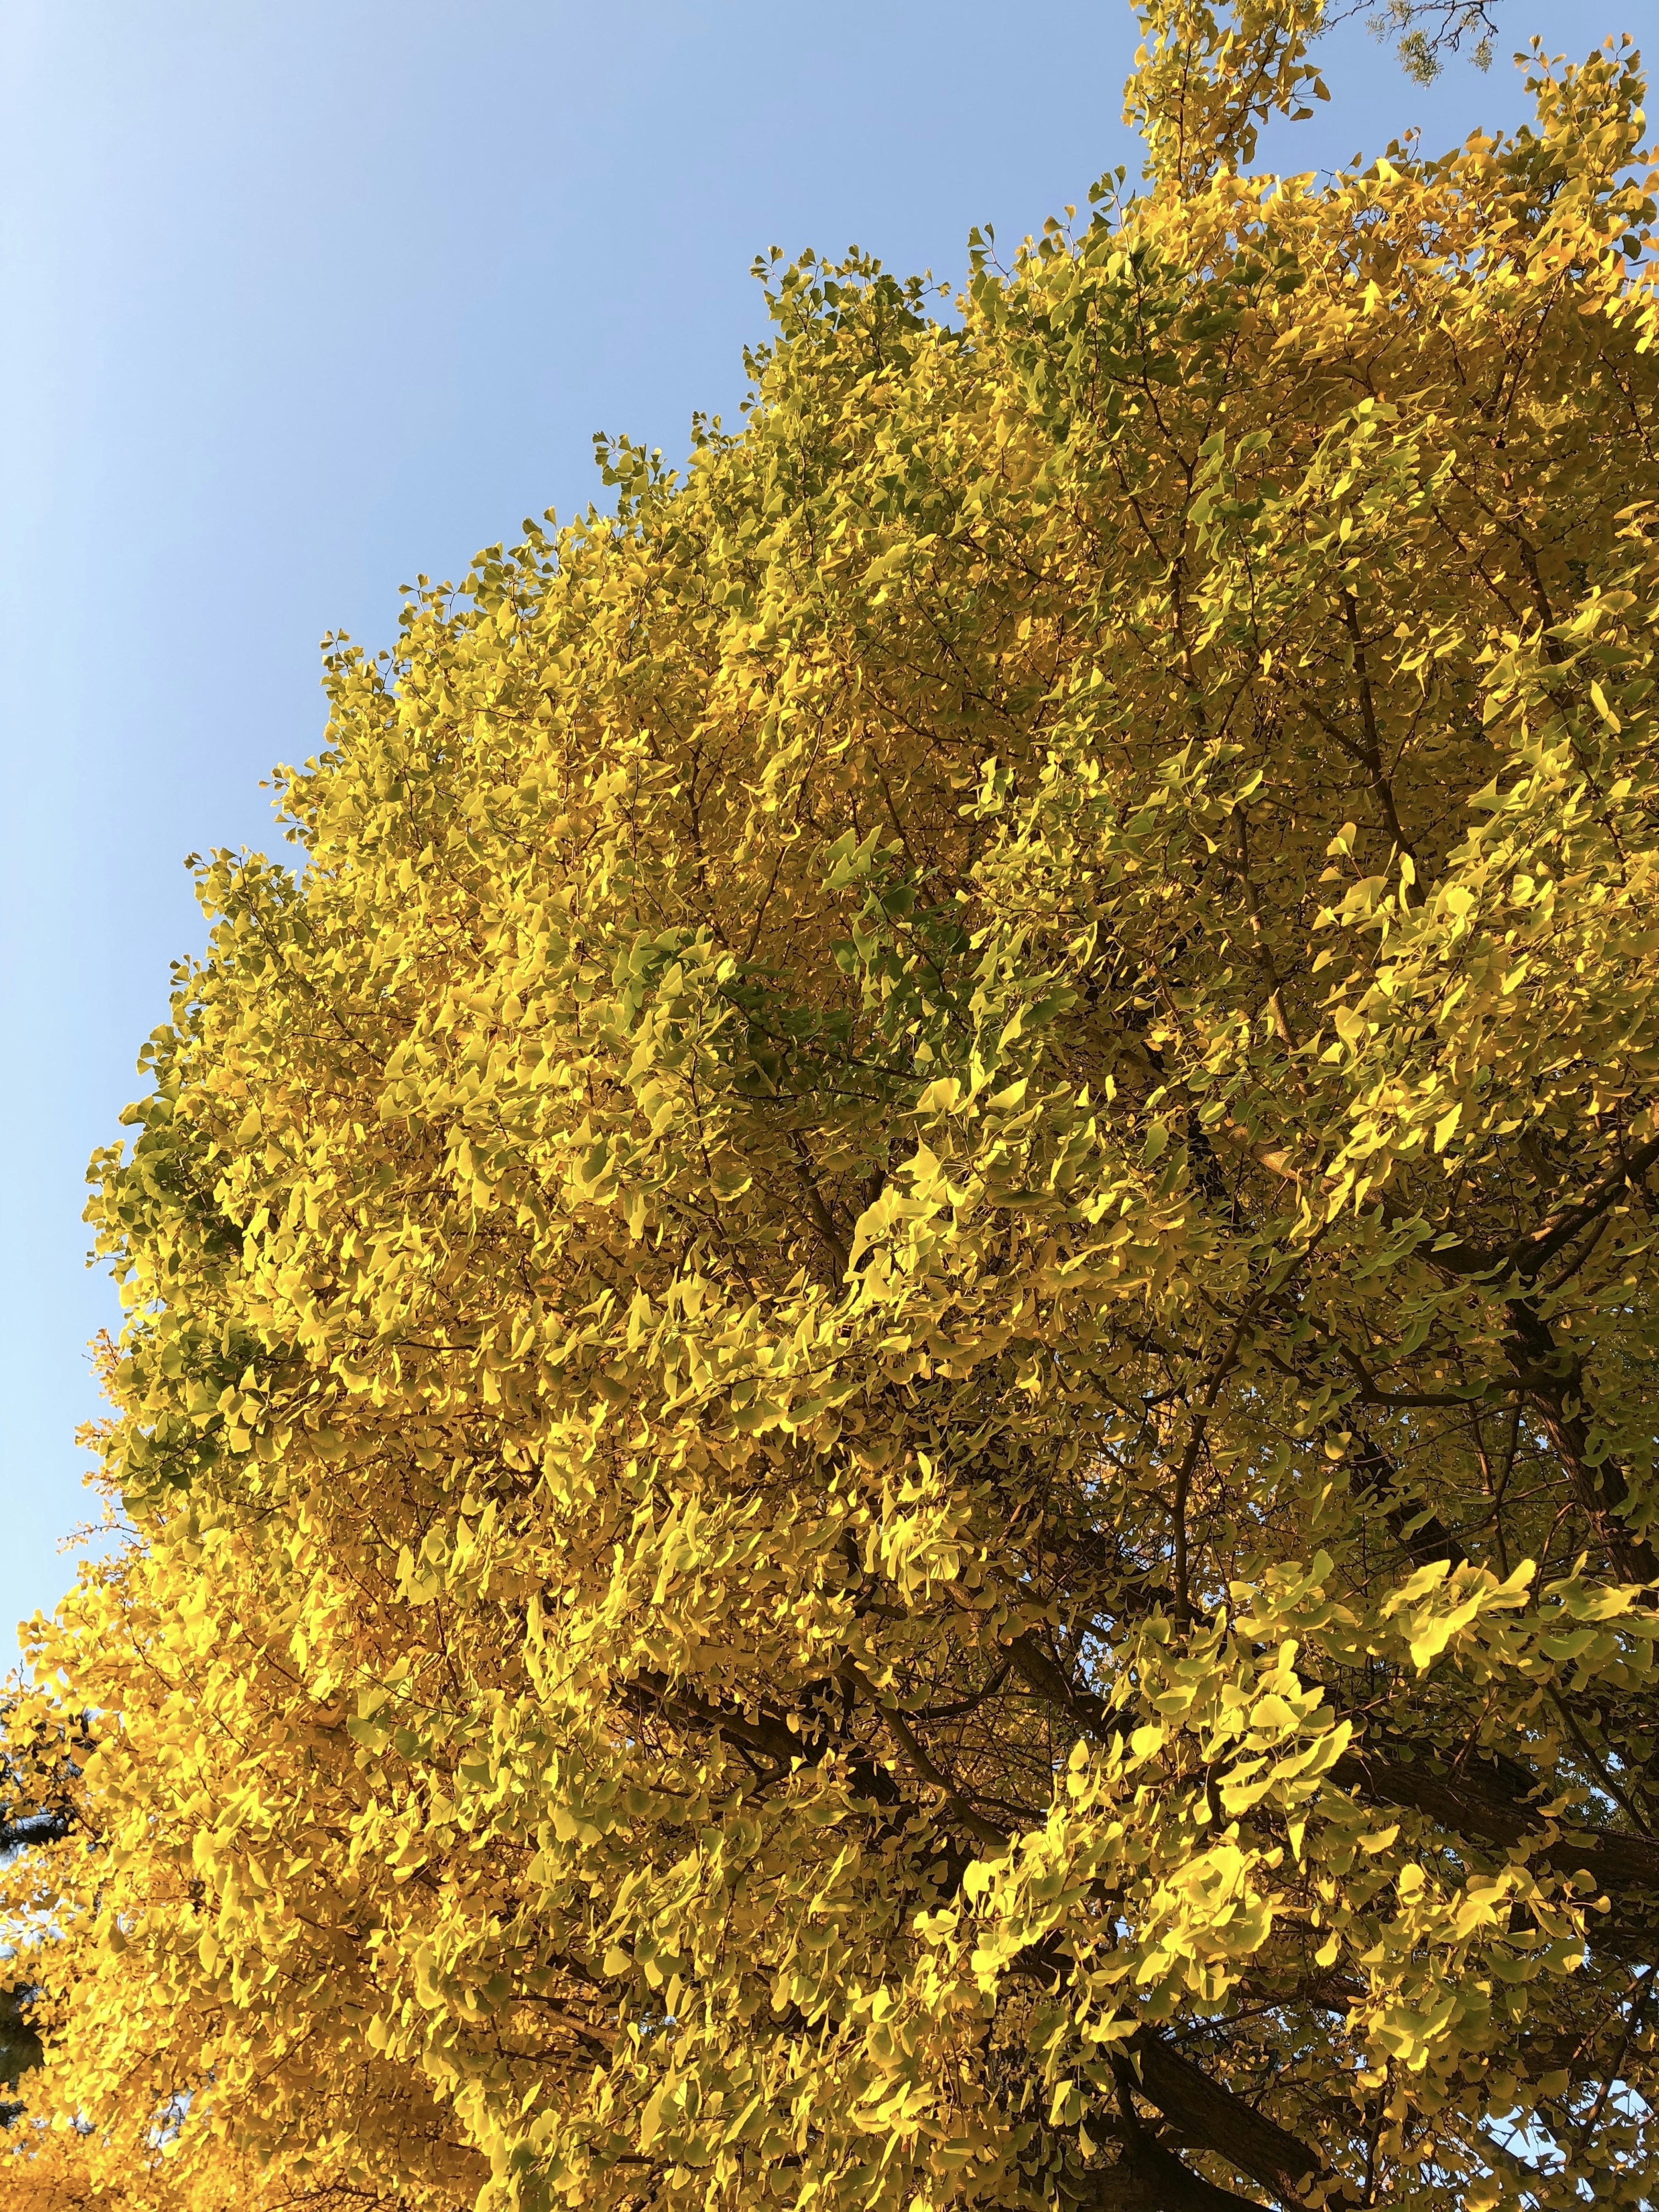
[
  {"x": 1426, "y": 31},
  {"x": 889, "y": 1392}
]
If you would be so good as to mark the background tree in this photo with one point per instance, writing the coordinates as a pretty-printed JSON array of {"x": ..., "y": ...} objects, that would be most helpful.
[{"x": 890, "y": 1395}]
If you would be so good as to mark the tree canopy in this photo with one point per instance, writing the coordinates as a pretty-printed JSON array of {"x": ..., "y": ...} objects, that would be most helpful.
[{"x": 888, "y": 1412}]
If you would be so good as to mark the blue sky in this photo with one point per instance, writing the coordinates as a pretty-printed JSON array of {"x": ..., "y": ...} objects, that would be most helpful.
[{"x": 301, "y": 299}]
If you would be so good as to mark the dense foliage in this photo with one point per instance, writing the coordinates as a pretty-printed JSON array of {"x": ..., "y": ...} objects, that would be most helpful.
[{"x": 889, "y": 1412}]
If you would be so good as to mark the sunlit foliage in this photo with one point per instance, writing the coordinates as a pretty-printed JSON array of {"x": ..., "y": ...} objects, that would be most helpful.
[{"x": 888, "y": 1410}]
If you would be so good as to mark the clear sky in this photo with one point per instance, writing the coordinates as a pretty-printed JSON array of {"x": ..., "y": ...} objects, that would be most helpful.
[{"x": 300, "y": 299}]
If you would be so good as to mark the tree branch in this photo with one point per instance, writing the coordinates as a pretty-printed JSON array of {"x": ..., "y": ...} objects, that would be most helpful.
[
  {"x": 47, "y": 1827},
  {"x": 1554, "y": 1383},
  {"x": 1216, "y": 2119},
  {"x": 1147, "y": 2178},
  {"x": 1626, "y": 1867}
]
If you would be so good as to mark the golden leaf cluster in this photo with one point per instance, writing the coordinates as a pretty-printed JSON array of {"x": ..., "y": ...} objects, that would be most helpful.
[{"x": 889, "y": 1399}]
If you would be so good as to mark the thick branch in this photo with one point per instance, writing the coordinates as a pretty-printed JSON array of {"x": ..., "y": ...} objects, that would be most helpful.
[
  {"x": 1537, "y": 1251},
  {"x": 1371, "y": 752},
  {"x": 1553, "y": 1380},
  {"x": 1147, "y": 2178},
  {"x": 1211, "y": 2117},
  {"x": 1424, "y": 1535},
  {"x": 1626, "y": 1867},
  {"x": 1203, "y": 2115},
  {"x": 49, "y": 1827},
  {"x": 1087, "y": 1713},
  {"x": 822, "y": 1220},
  {"x": 1264, "y": 952},
  {"x": 1554, "y": 1383},
  {"x": 1529, "y": 1255},
  {"x": 982, "y": 1829}
]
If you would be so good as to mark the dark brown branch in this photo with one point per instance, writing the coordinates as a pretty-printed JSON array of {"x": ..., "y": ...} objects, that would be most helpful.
[
  {"x": 982, "y": 1829},
  {"x": 1147, "y": 2178},
  {"x": 1087, "y": 1713},
  {"x": 1264, "y": 953},
  {"x": 1204, "y": 2115},
  {"x": 1371, "y": 754},
  {"x": 1626, "y": 1867},
  {"x": 1553, "y": 1382},
  {"x": 822, "y": 1219},
  {"x": 1536, "y": 1251},
  {"x": 1422, "y": 1534},
  {"x": 1529, "y": 1255},
  {"x": 1212, "y": 2118}
]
